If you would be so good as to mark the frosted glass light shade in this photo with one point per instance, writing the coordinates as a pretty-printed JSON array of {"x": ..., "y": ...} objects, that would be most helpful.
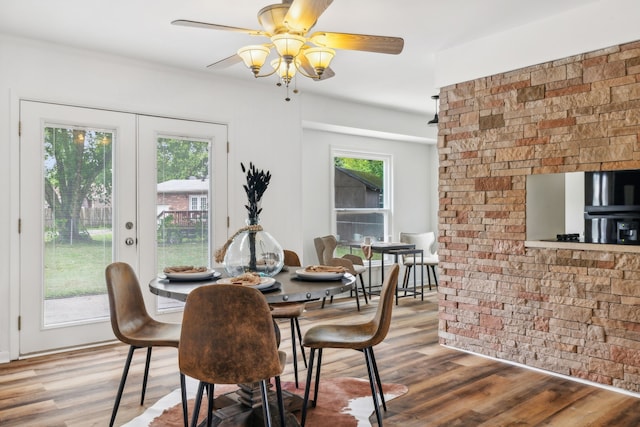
[
  {"x": 284, "y": 72},
  {"x": 254, "y": 56},
  {"x": 319, "y": 58},
  {"x": 288, "y": 44}
]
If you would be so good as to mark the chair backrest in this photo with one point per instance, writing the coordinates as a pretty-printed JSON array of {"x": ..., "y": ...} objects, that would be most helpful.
[
  {"x": 330, "y": 244},
  {"x": 228, "y": 336},
  {"x": 126, "y": 304},
  {"x": 422, "y": 241},
  {"x": 382, "y": 319},
  {"x": 317, "y": 242},
  {"x": 291, "y": 258}
]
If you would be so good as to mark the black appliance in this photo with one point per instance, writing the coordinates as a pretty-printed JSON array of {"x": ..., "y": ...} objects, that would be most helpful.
[{"x": 612, "y": 207}]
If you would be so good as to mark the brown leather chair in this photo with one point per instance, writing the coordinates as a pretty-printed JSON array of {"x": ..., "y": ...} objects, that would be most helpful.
[
  {"x": 228, "y": 337},
  {"x": 132, "y": 324},
  {"x": 325, "y": 248},
  {"x": 292, "y": 311},
  {"x": 362, "y": 337}
]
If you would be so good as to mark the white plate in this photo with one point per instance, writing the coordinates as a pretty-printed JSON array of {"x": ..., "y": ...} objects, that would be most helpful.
[
  {"x": 201, "y": 275},
  {"x": 318, "y": 275},
  {"x": 265, "y": 282}
]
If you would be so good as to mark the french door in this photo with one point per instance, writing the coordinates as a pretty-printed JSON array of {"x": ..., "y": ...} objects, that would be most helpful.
[{"x": 91, "y": 193}]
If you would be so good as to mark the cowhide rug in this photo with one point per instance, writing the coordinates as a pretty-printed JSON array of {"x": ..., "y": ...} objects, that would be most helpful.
[{"x": 342, "y": 402}]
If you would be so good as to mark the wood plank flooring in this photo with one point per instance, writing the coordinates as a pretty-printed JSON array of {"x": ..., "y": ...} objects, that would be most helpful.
[{"x": 446, "y": 387}]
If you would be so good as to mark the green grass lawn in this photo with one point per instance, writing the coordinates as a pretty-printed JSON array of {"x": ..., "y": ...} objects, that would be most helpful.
[{"x": 78, "y": 269}]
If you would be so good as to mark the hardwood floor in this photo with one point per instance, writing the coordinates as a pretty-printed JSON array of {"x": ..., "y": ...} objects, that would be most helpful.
[{"x": 446, "y": 387}]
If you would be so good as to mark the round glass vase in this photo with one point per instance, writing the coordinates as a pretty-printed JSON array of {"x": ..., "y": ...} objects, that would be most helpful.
[{"x": 255, "y": 252}]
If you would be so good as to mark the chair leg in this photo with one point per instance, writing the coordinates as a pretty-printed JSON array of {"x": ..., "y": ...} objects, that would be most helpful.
[
  {"x": 435, "y": 278},
  {"x": 293, "y": 348},
  {"x": 265, "y": 403},
  {"x": 325, "y": 299},
  {"x": 210, "y": 405},
  {"x": 304, "y": 356},
  {"x": 357, "y": 297},
  {"x": 183, "y": 394},
  {"x": 375, "y": 370},
  {"x": 123, "y": 380},
  {"x": 307, "y": 389},
  {"x": 317, "y": 386},
  {"x": 146, "y": 375},
  {"x": 196, "y": 406},
  {"x": 364, "y": 291},
  {"x": 280, "y": 401},
  {"x": 407, "y": 276},
  {"x": 373, "y": 383}
]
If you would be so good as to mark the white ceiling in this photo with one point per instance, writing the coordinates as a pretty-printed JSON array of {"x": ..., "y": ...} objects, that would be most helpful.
[{"x": 141, "y": 29}]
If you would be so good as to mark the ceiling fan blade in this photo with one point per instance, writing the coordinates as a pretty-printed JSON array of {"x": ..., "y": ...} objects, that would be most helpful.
[
  {"x": 303, "y": 14},
  {"x": 306, "y": 66},
  {"x": 225, "y": 63},
  {"x": 196, "y": 24},
  {"x": 365, "y": 42}
]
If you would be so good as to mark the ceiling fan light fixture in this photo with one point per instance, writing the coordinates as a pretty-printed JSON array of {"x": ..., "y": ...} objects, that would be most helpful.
[
  {"x": 319, "y": 58},
  {"x": 254, "y": 57},
  {"x": 287, "y": 26},
  {"x": 288, "y": 45},
  {"x": 285, "y": 70}
]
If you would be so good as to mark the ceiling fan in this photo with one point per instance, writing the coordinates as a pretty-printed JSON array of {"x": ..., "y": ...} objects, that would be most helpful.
[{"x": 287, "y": 26}]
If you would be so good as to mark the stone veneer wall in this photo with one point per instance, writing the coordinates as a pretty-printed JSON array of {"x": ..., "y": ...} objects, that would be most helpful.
[{"x": 574, "y": 312}]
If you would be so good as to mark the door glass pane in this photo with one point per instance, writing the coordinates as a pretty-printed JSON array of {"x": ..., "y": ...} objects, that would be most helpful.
[
  {"x": 77, "y": 231},
  {"x": 182, "y": 208}
]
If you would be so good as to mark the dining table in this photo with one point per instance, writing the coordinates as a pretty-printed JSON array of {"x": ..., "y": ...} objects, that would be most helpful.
[
  {"x": 243, "y": 406},
  {"x": 289, "y": 287},
  {"x": 390, "y": 248}
]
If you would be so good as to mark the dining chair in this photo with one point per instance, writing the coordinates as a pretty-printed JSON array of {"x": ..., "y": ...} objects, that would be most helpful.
[
  {"x": 325, "y": 249},
  {"x": 362, "y": 337},
  {"x": 292, "y": 311},
  {"x": 132, "y": 324},
  {"x": 430, "y": 260},
  {"x": 228, "y": 337}
]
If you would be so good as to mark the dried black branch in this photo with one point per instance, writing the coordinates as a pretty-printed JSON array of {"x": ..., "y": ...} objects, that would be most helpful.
[{"x": 257, "y": 183}]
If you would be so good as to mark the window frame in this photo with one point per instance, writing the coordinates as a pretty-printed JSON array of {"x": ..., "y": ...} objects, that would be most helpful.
[{"x": 387, "y": 209}]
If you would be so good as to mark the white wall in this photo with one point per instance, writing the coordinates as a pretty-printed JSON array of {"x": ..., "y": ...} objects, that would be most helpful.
[
  {"x": 414, "y": 186},
  {"x": 593, "y": 26},
  {"x": 263, "y": 128}
]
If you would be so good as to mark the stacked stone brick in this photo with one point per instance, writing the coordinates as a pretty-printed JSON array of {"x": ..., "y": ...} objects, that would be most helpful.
[{"x": 571, "y": 311}]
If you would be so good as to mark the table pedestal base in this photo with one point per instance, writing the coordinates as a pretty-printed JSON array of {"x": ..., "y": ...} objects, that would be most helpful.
[{"x": 244, "y": 408}]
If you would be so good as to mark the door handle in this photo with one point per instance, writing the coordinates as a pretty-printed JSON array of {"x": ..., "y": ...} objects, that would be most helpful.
[{"x": 129, "y": 241}]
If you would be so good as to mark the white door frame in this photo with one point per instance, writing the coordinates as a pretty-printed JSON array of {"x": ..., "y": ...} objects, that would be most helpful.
[{"x": 143, "y": 261}]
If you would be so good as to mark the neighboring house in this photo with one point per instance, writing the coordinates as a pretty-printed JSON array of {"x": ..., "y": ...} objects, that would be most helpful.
[
  {"x": 358, "y": 190},
  {"x": 182, "y": 207},
  {"x": 183, "y": 195},
  {"x": 355, "y": 189}
]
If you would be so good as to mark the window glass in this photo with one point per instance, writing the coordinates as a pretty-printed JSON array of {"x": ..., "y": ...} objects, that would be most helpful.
[
  {"x": 183, "y": 216},
  {"x": 360, "y": 199}
]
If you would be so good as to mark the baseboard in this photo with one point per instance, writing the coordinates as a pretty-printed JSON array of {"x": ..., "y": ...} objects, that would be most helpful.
[
  {"x": 4, "y": 357},
  {"x": 555, "y": 374}
]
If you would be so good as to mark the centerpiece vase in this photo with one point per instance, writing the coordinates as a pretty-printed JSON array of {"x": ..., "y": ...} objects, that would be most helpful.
[{"x": 254, "y": 250}]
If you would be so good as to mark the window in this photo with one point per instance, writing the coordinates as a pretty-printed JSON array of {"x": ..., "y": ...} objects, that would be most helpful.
[
  {"x": 198, "y": 203},
  {"x": 361, "y": 198}
]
